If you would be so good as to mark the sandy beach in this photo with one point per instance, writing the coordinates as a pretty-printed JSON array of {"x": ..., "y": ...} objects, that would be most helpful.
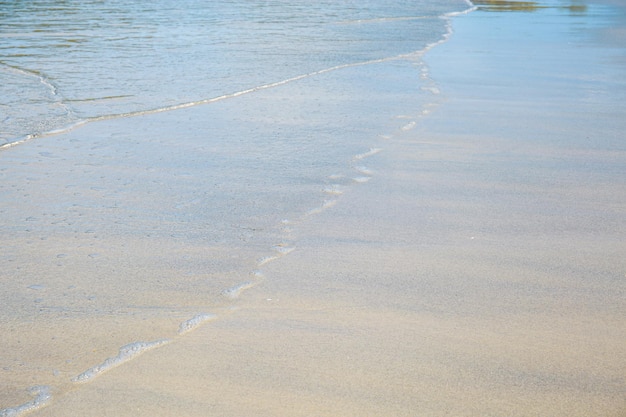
[{"x": 471, "y": 264}]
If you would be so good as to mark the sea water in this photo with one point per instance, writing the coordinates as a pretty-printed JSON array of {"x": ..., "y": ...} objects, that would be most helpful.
[
  {"x": 62, "y": 63},
  {"x": 157, "y": 155}
]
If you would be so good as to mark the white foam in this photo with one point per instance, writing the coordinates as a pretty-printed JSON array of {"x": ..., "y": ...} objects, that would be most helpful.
[
  {"x": 432, "y": 90},
  {"x": 257, "y": 274},
  {"x": 42, "y": 397},
  {"x": 383, "y": 19},
  {"x": 266, "y": 259},
  {"x": 53, "y": 90},
  {"x": 283, "y": 249},
  {"x": 194, "y": 322},
  {"x": 363, "y": 170},
  {"x": 327, "y": 204},
  {"x": 126, "y": 353},
  {"x": 361, "y": 180},
  {"x": 334, "y": 189},
  {"x": 235, "y": 292},
  {"x": 408, "y": 126},
  {"x": 372, "y": 151}
]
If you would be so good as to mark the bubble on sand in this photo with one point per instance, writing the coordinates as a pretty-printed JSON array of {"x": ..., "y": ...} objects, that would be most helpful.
[
  {"x": 126, "y": 353},
  {"x": 327, "y": 204},
  {"x": 266, "y": 259},
  {"x": 234, "y": 292},
  {"x": 194, "y": 322},
  {"x": 42, "y": 397},
  {"x": 372, "y": 151},
  {"x": 363, "y": 170},
  {"x": 432, "y": 90},
  {"x": 257, "y": 274},
  {"x": 408, "y": 126},
  {"x": 283, "y": 249},
  {"x": 334, "y": 189}
]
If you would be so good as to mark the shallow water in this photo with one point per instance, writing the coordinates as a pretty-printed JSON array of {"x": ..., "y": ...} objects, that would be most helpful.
[
  {"x": 205, "y": 141},
  {"x": 159, "y": 157},
  {"x": 62, "y": 63}
]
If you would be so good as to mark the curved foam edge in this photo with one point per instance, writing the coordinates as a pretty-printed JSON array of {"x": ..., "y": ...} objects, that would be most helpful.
[
  {"x": 194, "y": 322},
  {"x": 334, "y": 189},
  {"x": 266, "y": 259},
  {"x": 372, "y": 151},
  {"x": 42, "y": 397},
  {"x": 283, "y": 248},
  {"x": 45, "y": 80},
  {"x": 408, "y": 126},
  {"x": 126, "y": 353},
  {"x": 326, "y": 205},
  {"x": 363, "y": 170},
  {"x": 235, "y": 292}
]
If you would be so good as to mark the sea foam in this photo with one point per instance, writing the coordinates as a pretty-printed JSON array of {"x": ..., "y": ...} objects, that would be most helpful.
[{"x": 126, "y": 353}]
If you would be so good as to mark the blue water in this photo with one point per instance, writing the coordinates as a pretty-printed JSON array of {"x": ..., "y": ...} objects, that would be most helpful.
[{"x": 61, "y": 63}]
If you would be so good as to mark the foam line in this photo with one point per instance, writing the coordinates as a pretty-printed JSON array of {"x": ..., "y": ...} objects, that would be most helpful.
[
  {"x": 66, "y": 129},
  {"x": 235, "y": 292},
  {"x": 363, "y": 170},
  {"x": 57, "y": 99},
  {"x": 386, "y": 19},
  {"x": 334, "y": 189},
  {"x": 372, "y": 151},
  {"x": 254, "y": 89},
  {"x": 42, "y": 397},
  {"x": 194, "y": 322},
  {"x": 471, "y": 7},
  {"x": 408, "y": 126},
  {"x": 283, "y": 249},
  {"x": 126, "y": 353},
  {"x": 257, "y": 274},
  {"x": 327, "y": 204},
  {"x": 41, "y": 77},
  {"x": 266, "y": 259}
]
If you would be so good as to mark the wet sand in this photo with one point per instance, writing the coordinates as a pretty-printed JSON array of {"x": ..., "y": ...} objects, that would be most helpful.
[{"x": 478, "y": 271}]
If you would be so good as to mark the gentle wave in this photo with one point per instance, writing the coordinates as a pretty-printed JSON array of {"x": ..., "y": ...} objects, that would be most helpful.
[
  {"x": 76, "y": 124},
  {"x": 359, "y": 174},
  {"x": 125, "y": 354},
  {"x": 88, "y": 74}
]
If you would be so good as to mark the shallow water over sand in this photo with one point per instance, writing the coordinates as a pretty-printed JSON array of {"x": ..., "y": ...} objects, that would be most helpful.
[
  {"x": 61, "y": 64},
  {"x": 393, "y": 237}
]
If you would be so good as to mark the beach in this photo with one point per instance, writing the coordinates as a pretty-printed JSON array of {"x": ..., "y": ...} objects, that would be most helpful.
[{"x": 461, "y": 253}]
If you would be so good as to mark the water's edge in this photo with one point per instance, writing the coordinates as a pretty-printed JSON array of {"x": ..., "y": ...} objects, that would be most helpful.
[{"x": 44, "y": 395}]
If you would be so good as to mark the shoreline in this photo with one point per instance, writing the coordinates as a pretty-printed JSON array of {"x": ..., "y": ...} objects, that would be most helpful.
[{"x": 474, "y": 273}]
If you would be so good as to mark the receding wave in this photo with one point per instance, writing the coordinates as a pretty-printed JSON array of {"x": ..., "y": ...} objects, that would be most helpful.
[
  {"x": 75, "y": 124},
  {"x": 333, "y": 188},
  {"x": 125, "y": 354},
  {"x": 63, "y": 103}
]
